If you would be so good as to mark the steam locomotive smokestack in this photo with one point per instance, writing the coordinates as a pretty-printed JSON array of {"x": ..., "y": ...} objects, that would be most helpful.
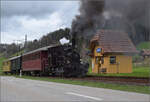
[{"x": 74, "y": 40}]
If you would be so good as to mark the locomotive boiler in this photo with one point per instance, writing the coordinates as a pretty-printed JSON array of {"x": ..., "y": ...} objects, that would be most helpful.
[{"x": 64, "y": 60}]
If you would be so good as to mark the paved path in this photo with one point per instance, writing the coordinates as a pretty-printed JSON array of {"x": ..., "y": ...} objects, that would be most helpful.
[{"x": 16, "y": 89}]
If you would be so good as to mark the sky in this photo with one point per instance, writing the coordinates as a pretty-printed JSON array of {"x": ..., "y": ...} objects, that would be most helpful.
[{"x": 35, "y": 18}]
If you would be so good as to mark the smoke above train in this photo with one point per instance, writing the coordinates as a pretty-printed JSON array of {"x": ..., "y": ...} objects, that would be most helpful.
[{"x": 130, "y": 16}]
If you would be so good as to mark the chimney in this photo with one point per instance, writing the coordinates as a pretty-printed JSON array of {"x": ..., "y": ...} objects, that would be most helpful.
[{"x": 74, "y": 40}]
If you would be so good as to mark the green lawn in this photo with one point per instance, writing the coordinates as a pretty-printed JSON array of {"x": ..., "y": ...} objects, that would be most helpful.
[
  {"x": 137, "y": 72},
  {"x": 143, "y": 45},
  {"x": 131, "y": 88}
]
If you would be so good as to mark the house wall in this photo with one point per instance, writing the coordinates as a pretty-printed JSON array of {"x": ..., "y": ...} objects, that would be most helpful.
[{"x": 123, "y": 63}]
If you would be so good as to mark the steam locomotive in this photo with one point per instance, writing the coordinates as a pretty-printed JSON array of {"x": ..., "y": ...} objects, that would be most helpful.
[
  {"x": 63, "y": 60},
  {"x": 60, "y": 60}
]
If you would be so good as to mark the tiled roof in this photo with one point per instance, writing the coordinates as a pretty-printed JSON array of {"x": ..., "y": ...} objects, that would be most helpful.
[{"x": 114, "y": 41}]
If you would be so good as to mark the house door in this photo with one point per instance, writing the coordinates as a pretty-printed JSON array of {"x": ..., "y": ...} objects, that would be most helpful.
[
  {"x": 100, "y": 67},
  {"x": 98, "y": 64}
]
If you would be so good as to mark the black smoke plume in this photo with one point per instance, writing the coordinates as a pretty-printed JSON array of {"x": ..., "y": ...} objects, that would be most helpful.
[{"x": 131, "y": 16}]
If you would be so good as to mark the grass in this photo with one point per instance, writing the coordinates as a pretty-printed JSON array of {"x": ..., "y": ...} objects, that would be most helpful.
[
  {"x": 143, "y": 45},
  {"x": 18, "y": 53},
  {"x": 130, "y": 88},
  {"x": 137, "y": 72}
]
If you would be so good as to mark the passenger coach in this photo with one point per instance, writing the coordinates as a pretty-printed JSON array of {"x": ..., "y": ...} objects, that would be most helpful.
[
  {"x": 35, "y": 62},
  {"x": 16, "y": 63}
]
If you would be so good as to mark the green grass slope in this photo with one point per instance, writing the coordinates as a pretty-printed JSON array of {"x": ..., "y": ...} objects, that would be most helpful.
[
  {"x": 143, "y": 45},
  {"x": 137, "y": 72}
]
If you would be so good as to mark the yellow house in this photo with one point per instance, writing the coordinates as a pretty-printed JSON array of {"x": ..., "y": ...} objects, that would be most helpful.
[{"x": 111, "y": 52}]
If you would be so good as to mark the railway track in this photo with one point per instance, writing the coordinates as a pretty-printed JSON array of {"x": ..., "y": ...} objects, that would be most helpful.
[
  {"x": 115, "y": 79},
  {"x": 121, "y": 79}
]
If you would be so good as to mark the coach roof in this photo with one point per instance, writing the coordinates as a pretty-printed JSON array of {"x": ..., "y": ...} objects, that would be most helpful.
[
  {"x": 14, "y": 58},
  {"x": 41, "y": 49}
]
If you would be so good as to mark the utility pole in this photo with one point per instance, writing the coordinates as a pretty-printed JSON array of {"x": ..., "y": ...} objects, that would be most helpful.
[
  {"x": 26, "y": 38},
  {"x": 18, "y": 49},
  {"x": 25, "y": 45},
  {"x": 20, "y": 72},
  {"x": 18, "y": 44},
  {"x": 0, "y": 37}
]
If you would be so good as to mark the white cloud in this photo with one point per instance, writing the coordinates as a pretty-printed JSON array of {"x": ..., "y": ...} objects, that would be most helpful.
[
  {"x": 10, "y": 37},
  {"x": 16, "y": 26},
  {"x": 33, "y": 27}
]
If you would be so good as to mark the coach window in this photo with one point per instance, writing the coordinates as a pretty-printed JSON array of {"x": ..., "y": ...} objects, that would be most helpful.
[
  {"x": 24, "y": 58},
  {"x": 27, "y": 58},
  {"x": 36, "y": 56},
  {"x": 39, "y": 55},
  {"x": 112, "y": 59},
  {"x": 33, "y": 56},
  {"x": 30, "y": 57}
]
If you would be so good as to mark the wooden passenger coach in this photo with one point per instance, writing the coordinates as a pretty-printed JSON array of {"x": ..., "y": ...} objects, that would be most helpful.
[
  {"x": 16, "y": 63},
  {"x": 35, "y": 61}
]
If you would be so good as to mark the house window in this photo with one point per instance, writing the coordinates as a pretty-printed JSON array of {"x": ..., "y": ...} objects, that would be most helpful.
[{"x": 112, "y": 59}]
